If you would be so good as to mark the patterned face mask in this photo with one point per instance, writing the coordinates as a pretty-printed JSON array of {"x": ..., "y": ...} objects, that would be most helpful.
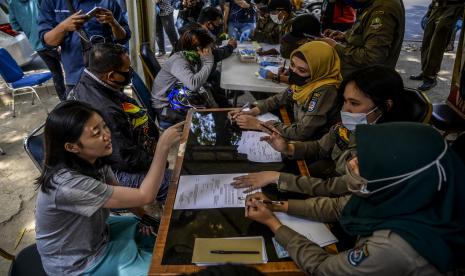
[{"x": 191, "y": 55}]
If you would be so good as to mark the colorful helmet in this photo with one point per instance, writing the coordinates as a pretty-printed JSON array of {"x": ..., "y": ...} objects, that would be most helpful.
[{"x": 181, "y": 98}]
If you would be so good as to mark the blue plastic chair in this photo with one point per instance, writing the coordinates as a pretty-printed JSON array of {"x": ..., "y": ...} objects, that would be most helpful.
[
  {"x": 34, "y": 146},
  {"x": 143, "y": 95},
  {"x": 17, "y": 81}
]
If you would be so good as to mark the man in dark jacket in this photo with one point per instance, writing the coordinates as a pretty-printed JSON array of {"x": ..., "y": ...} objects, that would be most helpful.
[{"x": 101, "y": 85}]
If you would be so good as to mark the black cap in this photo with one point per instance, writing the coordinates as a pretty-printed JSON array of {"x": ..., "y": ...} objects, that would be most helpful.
[
  {"x": 303, "y": 26},
  {"x": 306, "y": 25},
  {"x": 280, "y": 5}
]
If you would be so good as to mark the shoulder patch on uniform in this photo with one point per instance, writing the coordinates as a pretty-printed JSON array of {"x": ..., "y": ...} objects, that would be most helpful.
[
  {"x": 313, "y": 101},
  {"x": 357, "y": 255},
  {"x": 376, "y": 23}
]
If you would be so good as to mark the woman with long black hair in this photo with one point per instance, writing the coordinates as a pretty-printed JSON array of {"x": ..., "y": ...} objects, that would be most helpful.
[{"x": 74, "y": 233}]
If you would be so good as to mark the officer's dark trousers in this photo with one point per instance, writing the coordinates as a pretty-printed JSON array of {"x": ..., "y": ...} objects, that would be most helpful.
[
  {"x": 52, "y": 59},
  {"x": 438, "y": 29}
]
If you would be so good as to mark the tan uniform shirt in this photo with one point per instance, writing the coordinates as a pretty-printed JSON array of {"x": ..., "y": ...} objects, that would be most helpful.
[
  {"x": 311, "y": 120},
  {"x": 376, "y": 37},
  {"x": 338, "y": 144},
  {"x": 269, "y": 32},
  {"x": 382, "y": 253}
]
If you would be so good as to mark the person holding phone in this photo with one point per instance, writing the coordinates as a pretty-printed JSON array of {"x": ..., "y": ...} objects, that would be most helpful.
[
  {"x": 60, "y": 25},
  {"x": 77, "y": 188},
  {"x": 190, "y": 66}
]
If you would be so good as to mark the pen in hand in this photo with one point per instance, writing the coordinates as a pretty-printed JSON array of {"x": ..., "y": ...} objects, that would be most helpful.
[
  {"x": 270, "y": 129},
  {"x": 234, "y": 252},
  {"x": 246, "y": 105},
  {"x": 265, "y": 201}
]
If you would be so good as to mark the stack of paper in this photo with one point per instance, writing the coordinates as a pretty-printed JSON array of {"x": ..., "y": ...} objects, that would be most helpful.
[
  {"x": 317, "y": 232},
  {"x": 240, "y": 250},
  {"x": 209, "y": 191}
]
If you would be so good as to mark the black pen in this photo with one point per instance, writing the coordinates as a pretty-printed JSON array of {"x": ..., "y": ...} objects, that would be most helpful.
[
  {"x": 234, "y": 252},
  {"x": 270, "y": 129}
]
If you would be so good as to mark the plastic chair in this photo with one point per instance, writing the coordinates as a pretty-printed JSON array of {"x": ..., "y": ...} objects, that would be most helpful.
[
  {"x": 417, "y": 106},
  {"x": 34, "y": 146},
  {"x": 26, "y": 263},
  {"x": 446, "y": 119},
  {"x": 149, "y": 62},
  {"x": 143, "y": 95},
  {"x": 17, "y": 81}
]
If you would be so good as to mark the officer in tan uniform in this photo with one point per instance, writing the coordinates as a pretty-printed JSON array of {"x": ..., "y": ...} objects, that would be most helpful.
[
  {"x": 374, "y": 102},
  {"x": 441, "y": 22},
  {"x": 408, "y": 214},
  {"x": 270, "y": 29},
  {"x": 375, "y": 38},
  {"x": 314, "y": 77}
]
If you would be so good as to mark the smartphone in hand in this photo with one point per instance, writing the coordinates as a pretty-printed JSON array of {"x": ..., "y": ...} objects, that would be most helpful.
[{"x": 93, "y": 12}]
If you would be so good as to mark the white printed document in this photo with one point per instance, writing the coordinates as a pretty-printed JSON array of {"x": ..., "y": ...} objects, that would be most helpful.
[
  {"x": 209, "y": 191},
  {"x": 256, "y": 150},
  {"x": 317, "y": 232}
]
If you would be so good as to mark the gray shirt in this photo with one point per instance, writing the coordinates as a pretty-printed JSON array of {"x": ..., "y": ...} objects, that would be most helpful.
[
  {"x": 71, "y": 229},
  {"x": 178, "y": 69}
]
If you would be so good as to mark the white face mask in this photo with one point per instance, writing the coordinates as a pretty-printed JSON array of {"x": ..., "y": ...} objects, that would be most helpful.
[
  {"x": 350, "y": 120},
  {"x": 275, "y": 19},
  {"x": 361, "y": 189}
]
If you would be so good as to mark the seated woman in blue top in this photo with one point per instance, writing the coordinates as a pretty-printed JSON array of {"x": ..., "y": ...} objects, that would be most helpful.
[
  {"x": 190, "y": 66},
  {"x": 74, "y": 233}
]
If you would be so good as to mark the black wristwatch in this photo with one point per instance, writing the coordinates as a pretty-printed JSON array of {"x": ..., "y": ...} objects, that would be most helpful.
[{"x": 276, "y": 78}]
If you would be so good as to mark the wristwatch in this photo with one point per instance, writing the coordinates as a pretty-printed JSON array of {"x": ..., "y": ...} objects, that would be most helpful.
[{"x": 276, "y": 78}]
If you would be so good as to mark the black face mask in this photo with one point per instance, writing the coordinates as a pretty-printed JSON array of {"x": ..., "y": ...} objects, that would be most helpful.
[
  {"x": 127, "y": 78},
  {"x": 296, "y": 79},
  {"x": 216, "y": 30}
]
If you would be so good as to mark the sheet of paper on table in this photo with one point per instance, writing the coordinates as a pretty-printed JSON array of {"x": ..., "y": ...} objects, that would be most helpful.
[
  {"x": 209, "y": 191},
  {"x": 203, "y": 246},
  {"x": 317, "y": 232},
  {"x": 256, "y": 150}
]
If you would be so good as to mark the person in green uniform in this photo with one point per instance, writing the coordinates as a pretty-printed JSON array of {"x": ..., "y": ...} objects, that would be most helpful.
[
  {"x": 371, "y": 95},
  {"x": 409, "y": 214},
  {"x": 304, "y": 28},
  {"x": 314, "y": 77},
  {"x": 375, "y": 38},
  {"x": 441, "y": 22},
  {"x": 281, "y": 17}
]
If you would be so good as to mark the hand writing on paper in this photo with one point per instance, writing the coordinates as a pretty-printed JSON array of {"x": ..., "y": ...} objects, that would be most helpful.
[
  {"x": 257, "y": 211},
  {"x": 248, "y": 122},
  {"x": 254, "y": 181},
  {"x": 239, "y": 111},
  {"x": 263, "y": 198}
]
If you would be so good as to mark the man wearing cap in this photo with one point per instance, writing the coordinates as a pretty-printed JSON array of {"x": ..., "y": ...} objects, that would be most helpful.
[
  {"x": 276, "y": 24},
  {"x": 376, "y": 37},
  {"x": 304, "y": 28}
]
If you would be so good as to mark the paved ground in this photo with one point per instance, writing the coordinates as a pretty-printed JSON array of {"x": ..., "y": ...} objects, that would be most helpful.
[{"x": 17, "y": 173}]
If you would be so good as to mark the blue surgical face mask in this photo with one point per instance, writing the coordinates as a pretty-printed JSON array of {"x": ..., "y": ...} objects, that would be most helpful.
[
  {"x": 351, "y": 120},
  {"x": 355, "y": 4}
]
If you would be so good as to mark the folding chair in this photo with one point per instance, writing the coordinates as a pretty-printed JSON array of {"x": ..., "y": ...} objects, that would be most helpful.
[
  {"x": 34, "y": 146},
  {"x": 418, "y": 107},
  {"x": 150, "y": 63},
  {"x": 17, "y": 81}
]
